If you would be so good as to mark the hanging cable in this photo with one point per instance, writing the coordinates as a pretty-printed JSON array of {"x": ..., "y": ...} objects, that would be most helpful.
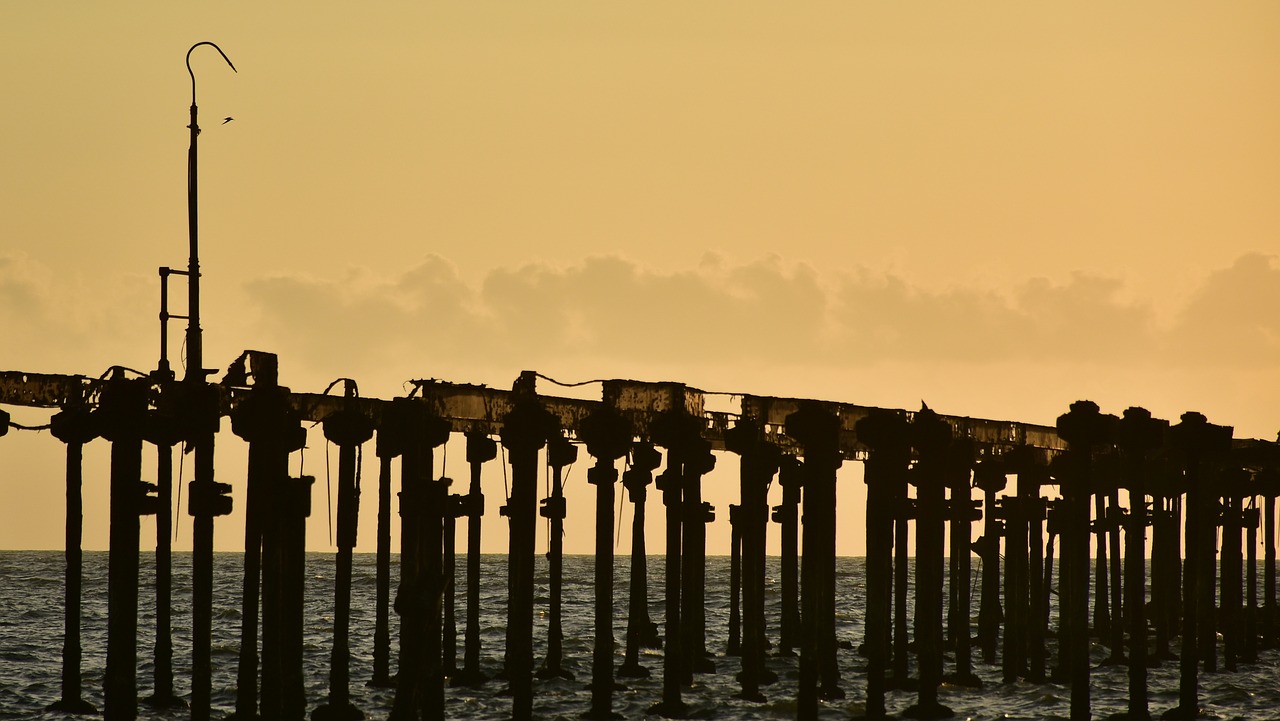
[
  {"x": 328, "y": 490},
  {"x": 177, "y": 510}
]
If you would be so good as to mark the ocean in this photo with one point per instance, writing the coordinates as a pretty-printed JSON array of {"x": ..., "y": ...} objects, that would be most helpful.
[{"x": 31, "y": 629}]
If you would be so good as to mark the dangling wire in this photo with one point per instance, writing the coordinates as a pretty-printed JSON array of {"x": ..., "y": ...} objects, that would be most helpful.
[
  {"x": 177, "y": 511},
  {"x": 505, "y": 490},
  {"x": 622, "y": 497},
  {"x": 328, "y": 490}
]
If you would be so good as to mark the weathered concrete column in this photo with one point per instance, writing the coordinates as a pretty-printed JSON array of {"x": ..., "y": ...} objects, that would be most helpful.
[
  {"x": 206, "y": 500},
  {"x": 962, "y": 512},
  {"x": 419, "y": 683},
  {"x": 480, "y": 450},
  {"x": 1250, "y": 519},
  {"x": 698, "y": 461},
  {"x": 525, "y": 430},
  {"x": 1196, "y": 442},
  {"x": 607, "y": 436},
  {"x": 1032, "y": 472},
  {"x": 273, "y": 430},
  {"x": 1013, "y": 652},
  {"x": 679, "y": 433},
  {"x": 931, "y": 437},
  {"x": 759, "y": 462},
  {"x": 75, "y": 426},
  {"x": 734, "y": 646},
  {"x": 641, "y": 631},
  {"x": 349, "y": 430},
  {"x": 286, "y": 547},
  {"x": 904, "y": 512},
  {"x": 884, "y": 433},
  {"x": 1084, "y": 429},
  {"x": 391, "y": 443},
  {"x": 1138, "y": 436},
  {"x": 787, "y": 515},
  {"x": 454, "y": 508},
  {"x": 1269, "y": 487},
  {"x": 817, "y": 429},
  {"x": 990, "y": 479},
  {"x": 162, "y": 431},
  {"x": 560, "y": 453},
  {"x": 1233, "y": 487},
  {"x": 122, "y": 412}
]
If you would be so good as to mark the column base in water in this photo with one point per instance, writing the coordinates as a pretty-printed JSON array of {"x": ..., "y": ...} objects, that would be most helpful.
[
  {"x": 72, "y": 705},
  {"x": 340, "y": 712}
]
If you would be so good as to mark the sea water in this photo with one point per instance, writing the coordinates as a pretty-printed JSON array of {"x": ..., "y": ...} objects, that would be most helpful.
[{"x": 31, "y": 631}]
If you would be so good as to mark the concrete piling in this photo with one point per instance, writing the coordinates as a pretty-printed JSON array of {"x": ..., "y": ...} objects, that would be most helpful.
[
  {"x": 75, "y": 426},
  {"x": 641, "y": 631}
]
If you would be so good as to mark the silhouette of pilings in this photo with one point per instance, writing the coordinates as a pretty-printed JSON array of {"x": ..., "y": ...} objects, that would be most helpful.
[
  {"x": 75, "y": 426},
  {"x": 525, "y": 430},
  {"x": 787, "y": 515},
  {"x": 480, "y": 450},
  {"x": 348, "y": 429},
  {"x": 122, "y": 413},
  {"x": 641, "y": 631},
  {"x": 1233, "y": 487},
  {"x": 1032, "y": 472},
  {"x": 903, "y": 512},
  {"x": 961, "y": 514},
  {"x": 607, "y": 436},
  {"x": 680, "y": 433},
  {"x": 884, "y": 433},
  {"x": 454, "y": 508},
  {"x": 419, "y": 682},
  {"x": 391, "y": 441},
  {"x": 1250, "y": 519},
  {"x": 989, "y": 477},
  {"x": 161, "y": 430},
  {"x": 817, "y": 429},
  {"x": 1166, "y": 558},
  {"x": 1013, "y": 652},
  {"x": 560, "y": 453},
  {"x": 1138, "y": 437},
  {"x": 1108, "y": 518},
  {"x": 931, "y": 437},
  {"x": 1085, "y": 430},
  {"x": 273, "y": 430},
  {"x": 1269, "y": 488},
  {"x": 698, "y": 462},
  {"x": 759, "y": 463},
  {"x": 734, "y": 645},
  {"x": 1197, "y": 444}
]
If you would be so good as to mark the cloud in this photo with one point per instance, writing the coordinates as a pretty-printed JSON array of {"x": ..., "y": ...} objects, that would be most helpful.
[
  {"x": 615, "y": 311},
  {"x": 1233, "y": 320}
]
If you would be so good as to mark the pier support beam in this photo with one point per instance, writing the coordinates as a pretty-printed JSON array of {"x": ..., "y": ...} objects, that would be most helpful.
[
  {"x": 931, "y": 437},
  {"x": 817, "y": 429},
  {"x": 74, "y": 426},
  {"x": 122, "y": 412},
  {"x": 962, "y": 512},
  {"x": 787, "y": 515},
  {"x": 1084, "y": 429},
  {"x": 560, "y": 453},
  {"x": 480, "y": 450},
  {"x": 642, "y": 632},
  {"x": 419, "y": 683},
  {"x": 884, "y": 433},
  {"x": 607, "y": 436},
  {"x": 272, "y": 429},
  {"x": 680, "y": 434},
  {"x": 349, "y": 430},
  {"x": 760, "y": 461},
  {"x": 525, "y": 431}
]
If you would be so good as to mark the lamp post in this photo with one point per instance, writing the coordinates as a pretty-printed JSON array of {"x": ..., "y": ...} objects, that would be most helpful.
[{"x": 206, "y": 495}]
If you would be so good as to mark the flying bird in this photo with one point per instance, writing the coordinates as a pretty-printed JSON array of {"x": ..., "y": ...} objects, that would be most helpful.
[{"x": 229, "y": 119}]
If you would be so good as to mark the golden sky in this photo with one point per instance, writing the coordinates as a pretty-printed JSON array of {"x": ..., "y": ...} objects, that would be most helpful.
[{"x": 995, "y": 207}]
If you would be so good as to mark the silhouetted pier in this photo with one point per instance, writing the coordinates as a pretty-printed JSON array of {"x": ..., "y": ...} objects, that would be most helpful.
[{"x": 1223, "y": 487}]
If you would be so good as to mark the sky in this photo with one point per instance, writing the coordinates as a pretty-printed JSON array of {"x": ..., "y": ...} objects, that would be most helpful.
[{"x": 997, "y": 208}]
